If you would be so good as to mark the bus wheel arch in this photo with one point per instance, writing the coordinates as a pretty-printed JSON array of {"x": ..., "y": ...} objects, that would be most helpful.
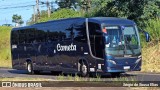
[{"x": 83, "y": 67}]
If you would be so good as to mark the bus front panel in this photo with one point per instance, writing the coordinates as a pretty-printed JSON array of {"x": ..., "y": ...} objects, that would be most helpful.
[{"x": 122, "y": 48}]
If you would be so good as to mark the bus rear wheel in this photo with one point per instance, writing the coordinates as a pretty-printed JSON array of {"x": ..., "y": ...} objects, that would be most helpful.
[
  {"x": 30, "y": 68},
  {"x": 84, "y": 69}
]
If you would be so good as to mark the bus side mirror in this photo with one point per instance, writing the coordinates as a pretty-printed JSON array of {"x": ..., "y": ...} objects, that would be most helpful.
[
  {"x": 147, "y": 36},
  {"x": 145, "y": 33}
]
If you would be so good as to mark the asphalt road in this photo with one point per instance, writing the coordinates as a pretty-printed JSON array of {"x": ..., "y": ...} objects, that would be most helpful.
[{"x": 138, "y": 76}]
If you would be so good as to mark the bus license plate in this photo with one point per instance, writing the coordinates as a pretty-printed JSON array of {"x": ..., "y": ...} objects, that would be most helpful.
[{"x": 126, "y": 67}]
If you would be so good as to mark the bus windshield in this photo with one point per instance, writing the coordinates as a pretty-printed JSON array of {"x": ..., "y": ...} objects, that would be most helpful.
[{"x": 122, "y": 40}]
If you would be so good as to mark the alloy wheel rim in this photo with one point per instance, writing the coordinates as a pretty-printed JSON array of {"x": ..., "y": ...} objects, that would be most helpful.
[{"x": 29, "y": 67}]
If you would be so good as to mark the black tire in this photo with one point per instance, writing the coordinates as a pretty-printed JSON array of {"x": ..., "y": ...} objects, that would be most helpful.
[
  {"x": 36, "y": 72},
  {"x": 30, "y": 68},
  {"x": 84, "y": 69},
  {"x": 117, "y": 74},
  {"x": 56, "y": 72}
]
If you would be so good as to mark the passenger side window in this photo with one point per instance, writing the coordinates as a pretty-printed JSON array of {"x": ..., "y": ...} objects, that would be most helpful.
[
  {"x": 40, "y": 35},
  {"x": 80, "y": 33},
  {"x": 30, "y": 35},
  {"x": 22, "y": 36},
  {"x": 60, "y": 31},
  {"x": 15, "y": 37}
]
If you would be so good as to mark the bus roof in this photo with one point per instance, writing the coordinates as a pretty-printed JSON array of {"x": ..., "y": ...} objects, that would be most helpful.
[
  {"x": 48, "y": 22},
  {"x": 112, "y": 21},
  {"x": 100, "y": 20}
]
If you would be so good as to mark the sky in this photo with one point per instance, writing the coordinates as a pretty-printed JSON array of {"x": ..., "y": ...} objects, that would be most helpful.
[{"x": 25, "y": 12}]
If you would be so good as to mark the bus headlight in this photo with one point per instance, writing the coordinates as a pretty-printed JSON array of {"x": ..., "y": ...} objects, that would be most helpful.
[
  {"x": 140, "y": 56},
  {"x": 138, "y": 60},
  {"x": 111, "y": 61}
]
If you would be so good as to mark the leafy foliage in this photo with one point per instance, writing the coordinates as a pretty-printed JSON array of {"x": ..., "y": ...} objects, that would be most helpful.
[
  {"x": 17, "y": 19},
  {"x": 67, "y": 3},
  {"x": 153, "y": 27},
  {"x": 97, "y": 8},
  {"x": 74, "y": 4},
  {"x": 137, "y": 10},
  {"x": 43, "y": 14},
  {"x": 62, "y": 13}
]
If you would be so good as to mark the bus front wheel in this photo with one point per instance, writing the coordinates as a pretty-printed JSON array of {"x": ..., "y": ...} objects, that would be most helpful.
[
  {"x": 84, "y": 69},
  {"x": 30, "y": 68}
]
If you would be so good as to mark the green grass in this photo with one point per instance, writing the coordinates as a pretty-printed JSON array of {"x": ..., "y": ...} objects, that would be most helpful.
[
  {"x": 77, "y": 78},
  {"x": 151, "y": 58},
  {"x": 123, "y": 79},
  {"x": 5, "y": 54},
  {"x": 24, "y": 79},
  {"x": 95, "y": 79}
]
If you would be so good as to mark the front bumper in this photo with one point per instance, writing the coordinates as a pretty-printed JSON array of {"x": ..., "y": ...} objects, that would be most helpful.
[
  {"x": 121, "y": 68},
  {"x": 123, "y": 64}
]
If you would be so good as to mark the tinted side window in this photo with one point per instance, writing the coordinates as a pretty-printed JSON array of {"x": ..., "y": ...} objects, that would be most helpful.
[
  {"x": 80, "y": 32},
  {"x": 14, "y": 37},
  {"x": 22, "y": 36},
  {"x": 40, "y": 35},
  {"x": 60, "y": 31},
  {"x": 52, "y": 36},
  {"x": 30, "y": 34}
]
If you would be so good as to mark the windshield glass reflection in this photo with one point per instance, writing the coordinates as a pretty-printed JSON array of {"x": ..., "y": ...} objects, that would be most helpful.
[{"x": 120, "y": 42}]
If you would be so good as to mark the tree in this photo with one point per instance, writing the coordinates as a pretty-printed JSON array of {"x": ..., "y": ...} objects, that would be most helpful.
[
  {"x": 8, "y": 25},
  {"x": 59, "y": 14},
  {"x": 31, "y": 21},
  {"x": 17, "y": 19},
  {"x": 137, "y": 10},
  {"x": 67, "y": 4},
  {"x": 94, "y": 7}
]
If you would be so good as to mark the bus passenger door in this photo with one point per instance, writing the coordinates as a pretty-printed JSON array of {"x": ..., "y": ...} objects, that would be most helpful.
[
  {"x": 96, "y": 45},
  {"x": 96, "y": 40}
]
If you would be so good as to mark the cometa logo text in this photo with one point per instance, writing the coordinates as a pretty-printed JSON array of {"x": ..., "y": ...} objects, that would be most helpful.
[{"x": 66, "y": 47}]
